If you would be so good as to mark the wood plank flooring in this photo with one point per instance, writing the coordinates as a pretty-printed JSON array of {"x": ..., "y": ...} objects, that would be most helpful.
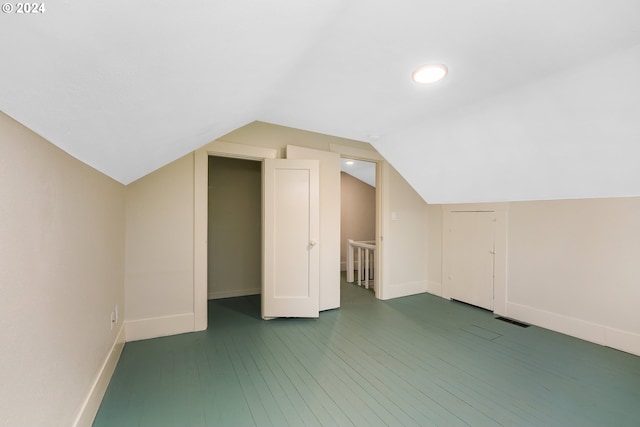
[{"x": 414, "y": 361}]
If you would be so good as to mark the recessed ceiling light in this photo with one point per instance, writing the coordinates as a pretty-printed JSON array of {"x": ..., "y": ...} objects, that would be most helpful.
[
  {"x": 349, "y": 162},
  {"x": 429, "y": 73}
]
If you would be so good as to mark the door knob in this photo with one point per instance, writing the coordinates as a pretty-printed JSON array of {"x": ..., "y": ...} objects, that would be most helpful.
[{"x": 312, "y": 242}]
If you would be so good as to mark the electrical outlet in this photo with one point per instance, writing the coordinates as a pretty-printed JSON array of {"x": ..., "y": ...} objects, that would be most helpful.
[{"x": 116, "y": 311}]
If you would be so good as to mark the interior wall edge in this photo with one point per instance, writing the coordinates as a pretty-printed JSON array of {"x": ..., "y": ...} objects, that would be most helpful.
[
  {"x": 434, "y": 288},
  {"x": 164, "y": 326},
  {"x": 398, "y": 290}
]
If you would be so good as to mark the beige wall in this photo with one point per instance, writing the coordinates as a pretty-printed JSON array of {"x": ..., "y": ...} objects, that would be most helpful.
[
  {"x": 404, "y": 246},
  {"x": 572, "y": 266},
  {"x": 61, "y": 276},
  {"x": 235, "y": 227},
  {"x": 276, "y": 137},
  {"x": 159, "y": 273},
  {"x": 358, "y": 213}
]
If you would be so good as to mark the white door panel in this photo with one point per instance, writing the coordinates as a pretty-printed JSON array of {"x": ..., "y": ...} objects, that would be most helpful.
[
  {"x": 291, "y": 234},
  {"x": 329, "y": 221},
  {"x": 472, "y": 257}
]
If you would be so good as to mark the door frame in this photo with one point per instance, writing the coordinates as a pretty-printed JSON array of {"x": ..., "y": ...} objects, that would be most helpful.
[
  {"x": 251, "y": 152},
  {"x": 381, "y": 202},
  {"x": 377, "y": 258},
  {"x": 200, "y": 215},
  {"x": 501, "y": 211}
]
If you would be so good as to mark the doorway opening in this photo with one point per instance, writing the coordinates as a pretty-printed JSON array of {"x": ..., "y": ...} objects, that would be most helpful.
[
  {"x": 358, "y": 220},
  {"x": 262, "y": 154},
  {"x": 234, "y": 228}
]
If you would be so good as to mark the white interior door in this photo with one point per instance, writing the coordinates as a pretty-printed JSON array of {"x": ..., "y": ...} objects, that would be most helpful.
[
  {"x": 291, "y": 253},
  {"x": 329, "y": 221},
  {"x": 472, "y": 257}
]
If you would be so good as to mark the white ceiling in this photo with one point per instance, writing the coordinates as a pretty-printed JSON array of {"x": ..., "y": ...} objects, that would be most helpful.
[{"x": 127, "y": 87}]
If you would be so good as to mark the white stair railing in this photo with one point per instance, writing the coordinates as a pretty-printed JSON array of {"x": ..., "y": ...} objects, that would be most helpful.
[{"x": 365, "y": 250}]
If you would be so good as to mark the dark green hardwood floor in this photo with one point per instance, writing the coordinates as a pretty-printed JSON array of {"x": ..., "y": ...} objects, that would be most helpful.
[{"x": 413, "y": 361}]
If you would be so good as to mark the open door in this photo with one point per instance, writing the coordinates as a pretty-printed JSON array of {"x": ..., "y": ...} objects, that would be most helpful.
[
  {"x": 291, "y": 256},
  {"x": 329, "y": 221}
]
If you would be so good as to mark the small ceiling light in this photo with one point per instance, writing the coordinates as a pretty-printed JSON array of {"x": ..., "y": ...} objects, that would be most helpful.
[
  {"x": 349, "y": 162},
  {"x": 430, "y": 73}
]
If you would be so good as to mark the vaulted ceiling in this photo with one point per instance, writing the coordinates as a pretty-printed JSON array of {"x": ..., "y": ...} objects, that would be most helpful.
[{"x": 542, "y": 100}]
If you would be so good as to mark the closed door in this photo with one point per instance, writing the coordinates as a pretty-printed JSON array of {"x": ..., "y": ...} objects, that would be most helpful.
[
  {"x": 291, "y": 232},
  {"x": 471, "y": 270}
]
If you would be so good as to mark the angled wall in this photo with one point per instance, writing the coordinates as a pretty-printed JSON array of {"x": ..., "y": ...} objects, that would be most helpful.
[
  {"x": 159, "y": 272},
  {"x": 61, "y": 277}
]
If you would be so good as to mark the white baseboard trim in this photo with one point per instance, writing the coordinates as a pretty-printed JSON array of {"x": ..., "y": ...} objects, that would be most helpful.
[
  {"x": 621, "y": 340},
  {"x": 234, "y": 293},
  {"x": 556, "y": 322},
  {"x": 434, "y": 288},
  {"x": 155, "y": 327},
  {"x": 92, "y": 402},
  {"x": 397, "y": 290}
]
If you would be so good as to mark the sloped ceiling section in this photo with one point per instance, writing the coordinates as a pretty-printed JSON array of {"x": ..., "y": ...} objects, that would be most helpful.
[
  {"x": 542, "y": 100},
  {"x": 363, "y": 171},
  {"x": 573, "y": 135}
]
